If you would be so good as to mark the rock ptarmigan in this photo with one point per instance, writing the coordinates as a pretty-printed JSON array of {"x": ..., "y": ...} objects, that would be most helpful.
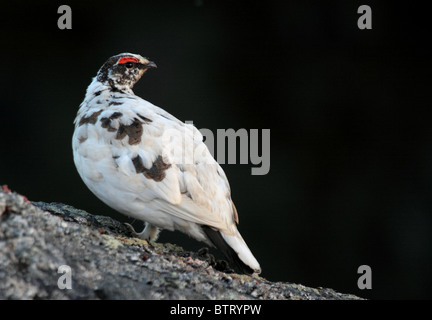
[{"x": 145, "y": 163}]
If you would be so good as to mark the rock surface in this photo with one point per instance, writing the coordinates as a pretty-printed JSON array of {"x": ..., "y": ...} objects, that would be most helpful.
[{"x": 107, "y": 262}]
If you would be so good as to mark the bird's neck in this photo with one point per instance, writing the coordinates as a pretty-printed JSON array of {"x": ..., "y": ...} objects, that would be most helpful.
[
  {"x": 99, "y": 94},
  {"x": 107, "y": 89}
]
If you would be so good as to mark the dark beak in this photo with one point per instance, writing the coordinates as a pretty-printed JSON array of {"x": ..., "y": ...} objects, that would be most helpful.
[{"x": 151, "y": 64}]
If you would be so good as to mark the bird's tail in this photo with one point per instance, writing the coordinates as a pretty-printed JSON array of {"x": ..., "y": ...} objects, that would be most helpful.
[{"x": 235, "y": 249}]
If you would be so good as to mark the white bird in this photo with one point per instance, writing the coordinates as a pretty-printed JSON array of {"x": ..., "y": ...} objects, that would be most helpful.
[{"x": 145, "y": 163}]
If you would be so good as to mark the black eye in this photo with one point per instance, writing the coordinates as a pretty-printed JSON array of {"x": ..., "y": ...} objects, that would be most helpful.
[{"x": 129, "y": 65}]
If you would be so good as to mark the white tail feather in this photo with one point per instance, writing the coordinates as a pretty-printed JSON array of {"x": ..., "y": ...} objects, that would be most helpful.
[{"x": 237, "y": 243}]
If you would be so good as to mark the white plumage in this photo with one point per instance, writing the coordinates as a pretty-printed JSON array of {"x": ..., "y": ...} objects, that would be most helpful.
[{"x": 147, "y": 164}]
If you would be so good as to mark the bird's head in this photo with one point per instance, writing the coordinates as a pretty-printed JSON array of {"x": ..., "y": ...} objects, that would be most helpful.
[{"x": 123, "y": 70}]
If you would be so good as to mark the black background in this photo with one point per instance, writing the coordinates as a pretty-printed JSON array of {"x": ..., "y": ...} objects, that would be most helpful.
[{"x": 351, "y": 141}]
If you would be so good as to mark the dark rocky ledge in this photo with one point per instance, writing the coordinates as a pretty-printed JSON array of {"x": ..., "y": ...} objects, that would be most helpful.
[{"x": 107, "y": 262}]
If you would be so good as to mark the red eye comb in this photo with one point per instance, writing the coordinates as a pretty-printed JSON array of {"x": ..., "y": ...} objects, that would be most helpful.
[{"x": 127, "y": 59}]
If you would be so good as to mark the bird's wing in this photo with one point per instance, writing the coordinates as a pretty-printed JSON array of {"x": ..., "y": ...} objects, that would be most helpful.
[{"x": 165, "y": 163}]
